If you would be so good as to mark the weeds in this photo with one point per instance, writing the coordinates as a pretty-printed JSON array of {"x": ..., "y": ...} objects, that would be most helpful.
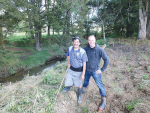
[
  {"x": 132, "y": 104},
  {"x": 117, "y": 89},
  {"x": 122, "y": 58},
  {"x": 148, "y": 69},
  {"x": 144, "y": 83},
  {"x": 51, "y": 79},
  {"x": 145, "y": 76},
  {"x": 145, "y": 56},
  {"x": 85, "y": 109},
  {"x": 118, "y": 75},
  {"x": 128, "y": 69}
]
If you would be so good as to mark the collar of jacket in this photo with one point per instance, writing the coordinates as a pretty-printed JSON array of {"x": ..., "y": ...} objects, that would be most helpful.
[{"x": 92, "y": 48}]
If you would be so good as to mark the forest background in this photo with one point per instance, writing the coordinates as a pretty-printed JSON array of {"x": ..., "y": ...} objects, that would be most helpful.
[
  {"x": 34, "y": 32},
  {"x": 36, "y": 25}
]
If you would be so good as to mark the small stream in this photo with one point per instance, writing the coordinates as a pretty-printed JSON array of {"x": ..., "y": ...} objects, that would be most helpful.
[{"x": 31, "y": 72}]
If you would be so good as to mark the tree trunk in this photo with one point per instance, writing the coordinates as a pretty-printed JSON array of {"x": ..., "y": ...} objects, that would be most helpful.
[
  {"x": 53, "y": 31},
  {"x": 148, "y": 29},
  {"x": 1, "y": 38},
  {"x": 31, "y": 27},
  {"x": 143, "y": 9},
  {"x": 40, "y": 33},
  {"x": 37, "y": 39},
  {"x": 67, "y": 25},
  {"x": 48, "y": 31},
  {"x": 103, "y": 28}
]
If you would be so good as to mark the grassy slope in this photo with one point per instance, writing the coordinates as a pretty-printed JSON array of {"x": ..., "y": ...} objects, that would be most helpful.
[{"x": 33, "y": 93}]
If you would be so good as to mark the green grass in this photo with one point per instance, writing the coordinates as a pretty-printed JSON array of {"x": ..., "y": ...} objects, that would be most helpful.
[
  {"x": 13, "y": 38},
  {"x": 132, "y": 104},
  {"x": 38, "y": 58}
]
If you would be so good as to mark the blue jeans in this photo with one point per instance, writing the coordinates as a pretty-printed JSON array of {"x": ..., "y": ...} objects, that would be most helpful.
[{"x": 98, "y": 80}]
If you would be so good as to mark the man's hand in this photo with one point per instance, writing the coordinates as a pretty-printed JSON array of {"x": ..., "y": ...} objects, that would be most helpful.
[
  {"x": 69, "y": 66},
  {"x": 98, "y": 71},
  {"x": 82, "y": 77}
]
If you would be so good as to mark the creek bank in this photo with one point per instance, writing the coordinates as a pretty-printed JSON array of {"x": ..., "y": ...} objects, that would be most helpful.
[
  {"x": 46, "y": 64},
  {"x": 32, "y": 59},
  {"x": 31, "y": 72}
]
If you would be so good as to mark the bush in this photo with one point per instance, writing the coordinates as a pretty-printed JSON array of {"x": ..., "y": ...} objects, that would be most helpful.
[{"x": 101, "y": 42}]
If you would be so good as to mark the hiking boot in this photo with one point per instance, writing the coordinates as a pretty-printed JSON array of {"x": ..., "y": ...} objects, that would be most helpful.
[
  {"x": 83, "y": 89},
  {"x": 102, "y": 106},
  {"x": 80, "y": 95},
  {"x": 67, "y": 89}
]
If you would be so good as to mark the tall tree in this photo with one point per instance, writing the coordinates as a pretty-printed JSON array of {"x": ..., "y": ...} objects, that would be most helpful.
[
  {"x": 35, "y": 19},
  {"x": 143, "y": 12},
  {"x": 10, "y": 17},
  {"x": 148, "y": 28}
]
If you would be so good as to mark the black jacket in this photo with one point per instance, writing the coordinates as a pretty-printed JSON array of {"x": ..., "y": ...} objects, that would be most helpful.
[{"x": 94, "y": 56}]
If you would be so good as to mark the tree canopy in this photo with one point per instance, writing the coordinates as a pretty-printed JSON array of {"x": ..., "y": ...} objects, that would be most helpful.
[{"x": 127, "y": 18}]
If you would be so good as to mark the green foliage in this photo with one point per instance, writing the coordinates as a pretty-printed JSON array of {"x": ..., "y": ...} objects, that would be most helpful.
[
  {"x": 7, "y": 59},
  {"x": 145, "y": 76},
  {"x": 101, "y": 41},
  {"x": 60, "y": 67},
  {"x": 145, "y": 56},
  {"x": 148, "y": 69},
  {"x": 38, "y": 58},
  {"x": 19, "y": 40},
  {"x": 132, "y": 104},
  {"x": 144, "y": 83},
  {"x": 85, "y": 109},
  {"x": 51, "y": 79}
]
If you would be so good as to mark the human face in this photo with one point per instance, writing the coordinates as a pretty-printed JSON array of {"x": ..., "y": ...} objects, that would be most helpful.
[
  {"x": 91, "y": 41},
  {"x": 76, "y": 44}
]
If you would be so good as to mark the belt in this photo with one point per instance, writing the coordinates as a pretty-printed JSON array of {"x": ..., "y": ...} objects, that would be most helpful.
[{"x": 80, "y": 69}]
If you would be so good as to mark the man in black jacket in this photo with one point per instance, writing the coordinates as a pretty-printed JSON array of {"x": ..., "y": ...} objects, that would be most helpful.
[{"x": 95, "y": 53}]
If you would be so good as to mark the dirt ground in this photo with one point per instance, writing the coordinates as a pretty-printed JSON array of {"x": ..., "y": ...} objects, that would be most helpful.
[{"x": 127, "y": 82}]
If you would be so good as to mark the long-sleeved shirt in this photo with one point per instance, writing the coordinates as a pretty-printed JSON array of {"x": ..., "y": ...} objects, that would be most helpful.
[{"x": 94, "y": 56}]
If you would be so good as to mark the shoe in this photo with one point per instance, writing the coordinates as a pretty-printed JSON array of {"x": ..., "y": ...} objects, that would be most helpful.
[
  {"x": 80, "y": 95},
  {"x": 103, "y": 104},
  {"x": 67, "y": 89},
  {"x": 83, "y": 89}
]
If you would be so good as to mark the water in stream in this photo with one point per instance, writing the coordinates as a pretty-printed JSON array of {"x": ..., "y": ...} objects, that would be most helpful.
[{"x": 32, "y": 72}]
